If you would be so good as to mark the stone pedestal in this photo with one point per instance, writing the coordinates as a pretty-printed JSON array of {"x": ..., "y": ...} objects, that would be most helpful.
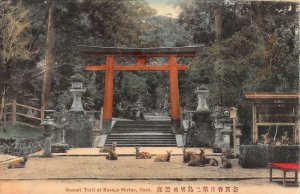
[
  {"x": 238, "y": 137},
  {"x": 218, "y": 136},
  {"x": 78, "y": 130},
  {"x": 226, "y": 136},
  {"x": 47, "y": 125}
]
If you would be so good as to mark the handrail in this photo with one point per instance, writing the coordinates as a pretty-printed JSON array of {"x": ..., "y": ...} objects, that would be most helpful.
[
  {"x": 28, "y": 116},
  {"x": 29, "y": 107}
]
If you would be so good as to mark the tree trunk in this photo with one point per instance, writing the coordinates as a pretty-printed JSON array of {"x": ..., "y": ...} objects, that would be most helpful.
[
  {"x": 258, "y": 13},
  {"x": 218, "y": 24},
  {"x": 49, "y": 59}
]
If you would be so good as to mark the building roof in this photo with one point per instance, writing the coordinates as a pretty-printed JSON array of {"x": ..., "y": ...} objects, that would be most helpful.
[{"x": 271, "y": 95}]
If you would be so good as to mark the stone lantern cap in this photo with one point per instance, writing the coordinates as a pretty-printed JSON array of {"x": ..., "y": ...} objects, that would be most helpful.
[
  {"x": 47, "y": 125},
  {"x": 48, "y": 121},
  {"x": 77, "y": 77}
]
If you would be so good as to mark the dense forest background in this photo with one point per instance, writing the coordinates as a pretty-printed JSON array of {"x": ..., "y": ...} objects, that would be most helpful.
[{"x": 248, "y": 46}]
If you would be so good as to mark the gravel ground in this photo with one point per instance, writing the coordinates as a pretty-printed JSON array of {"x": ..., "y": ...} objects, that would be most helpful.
[
  {"x": 126, "y": 167},
  {"x": 95, "y": 174}
]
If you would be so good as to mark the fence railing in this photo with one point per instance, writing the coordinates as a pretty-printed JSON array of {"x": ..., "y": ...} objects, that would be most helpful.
[{"x": 23, "y": 114}]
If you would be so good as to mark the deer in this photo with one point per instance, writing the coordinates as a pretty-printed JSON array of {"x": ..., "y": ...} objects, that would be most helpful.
[
  {"x": 198, "y": 159},
  {"x": 226, "y": 163},
  {"x": 266, "y": 139},
  {"x": 187, "y": 156},
  {"x": 211, "y": 161},
  {"x": 163, "y": 157},
  {"x": 285, "y": 138},
  {"x": 112, "y": 155},
  {"x": 106, "y": 149},
  {"x": 19, "y": 163},
  {"x": 142, "y": 155}
]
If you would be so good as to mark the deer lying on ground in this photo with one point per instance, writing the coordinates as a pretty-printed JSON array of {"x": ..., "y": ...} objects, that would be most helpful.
[
  {"x": 19, "y": 163},
  {"x": 187, "y": 156},
  {"x": 163, "y": 157},
  {"x": 112, "y": 155},
  {"x": 142, "y": 155},
  {"x": 211, "y": 161},
  {"x": 106, "y": 149},
  {"x": 198, "y": 159},
  {"x": 226, "y": 163},
  {"x": 201, "y": 160}
]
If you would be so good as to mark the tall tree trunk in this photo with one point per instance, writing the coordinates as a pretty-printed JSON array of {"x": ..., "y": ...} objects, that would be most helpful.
[
  {"x": 257, "y": 13},
  {"x": 218, "y": 23},
  {"x": 49, "y": 60}
]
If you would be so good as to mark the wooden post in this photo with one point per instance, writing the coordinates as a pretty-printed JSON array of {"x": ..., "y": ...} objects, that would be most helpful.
[
  {"x": 174, "y": 94},
  {"x": 101, "y": 119},
  {"x": 234, "y": 136},
  {"x": 108, "y": 94},
  {"x": 254, "y": 125},
  {"x": 42, "y": 113},
  {"x": 270, "y": 178},
  {"x": 284, "y": 178},
  {"x": 14, "y": 112},
  {"x": 2, "y": 106}
]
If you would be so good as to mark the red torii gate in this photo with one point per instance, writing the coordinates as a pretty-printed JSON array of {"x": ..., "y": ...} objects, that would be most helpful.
[{"x": 141, "y": 53}]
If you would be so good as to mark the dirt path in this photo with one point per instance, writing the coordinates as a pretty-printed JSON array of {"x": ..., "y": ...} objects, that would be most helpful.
[{"x": 126, "y": 167}]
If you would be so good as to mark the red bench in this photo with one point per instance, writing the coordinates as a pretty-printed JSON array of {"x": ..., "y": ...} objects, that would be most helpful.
[{"x": 285, "y": 167}]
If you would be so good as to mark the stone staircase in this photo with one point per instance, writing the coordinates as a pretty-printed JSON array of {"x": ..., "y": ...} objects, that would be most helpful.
[{"x": 142, "y": 133}]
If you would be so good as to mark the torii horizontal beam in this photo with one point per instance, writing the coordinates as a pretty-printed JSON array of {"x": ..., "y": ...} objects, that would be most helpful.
[
  {"x": 163, "y": 67},
  {"x": 189, "y": 51}
]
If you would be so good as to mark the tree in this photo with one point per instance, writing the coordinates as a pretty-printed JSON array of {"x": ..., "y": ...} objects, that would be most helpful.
[
  {"x": 15, "y": 44},
  {"x": 49, "y": 59}
]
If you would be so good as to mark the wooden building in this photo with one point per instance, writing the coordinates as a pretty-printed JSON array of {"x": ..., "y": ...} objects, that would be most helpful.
[{"x": 274, "y": 109}]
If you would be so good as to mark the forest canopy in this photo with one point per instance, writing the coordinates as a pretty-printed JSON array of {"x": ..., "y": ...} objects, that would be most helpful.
[{"x": 249, "y": 46}]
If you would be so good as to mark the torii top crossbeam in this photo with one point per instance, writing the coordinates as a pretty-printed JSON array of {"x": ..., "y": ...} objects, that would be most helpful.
[{"x": 141, "y": 54}]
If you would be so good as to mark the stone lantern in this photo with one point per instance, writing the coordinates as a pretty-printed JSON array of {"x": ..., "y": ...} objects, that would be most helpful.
[
  {"x": 238, "y": 136},
  {"x": 202, "y": 93},
  {"x": 77, "y": 90},
  {"x": 226, "y": 132},
  {"x": 202, "y": 117},
  {"x": 47, "y": 125},
  {"x": 233, "y": 116}
]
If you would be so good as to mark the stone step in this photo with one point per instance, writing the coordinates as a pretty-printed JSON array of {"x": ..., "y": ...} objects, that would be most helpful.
[
  {"x": 145, "y": 145},
  {"x": 149, "y": 127},
  {"x": 140, "y": 137},
  {"x": 142, "y": 126},
  {"x": 142, "y": 142},
  {"x": 145, "y": 133},
  {"x": 142, "y": 133},
  {"x": 144, "y": 122}
]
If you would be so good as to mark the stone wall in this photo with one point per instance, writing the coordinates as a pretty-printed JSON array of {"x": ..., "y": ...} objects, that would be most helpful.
[
  {"x": 258, "y": 156},
  {"x": 20, "y": 147}
]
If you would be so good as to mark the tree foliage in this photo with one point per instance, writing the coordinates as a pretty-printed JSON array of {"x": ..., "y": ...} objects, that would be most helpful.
[{"x": 16, "y": 47}]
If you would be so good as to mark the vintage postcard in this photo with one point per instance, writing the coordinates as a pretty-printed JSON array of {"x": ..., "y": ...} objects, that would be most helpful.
[{"x": 149, "y": 96}]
